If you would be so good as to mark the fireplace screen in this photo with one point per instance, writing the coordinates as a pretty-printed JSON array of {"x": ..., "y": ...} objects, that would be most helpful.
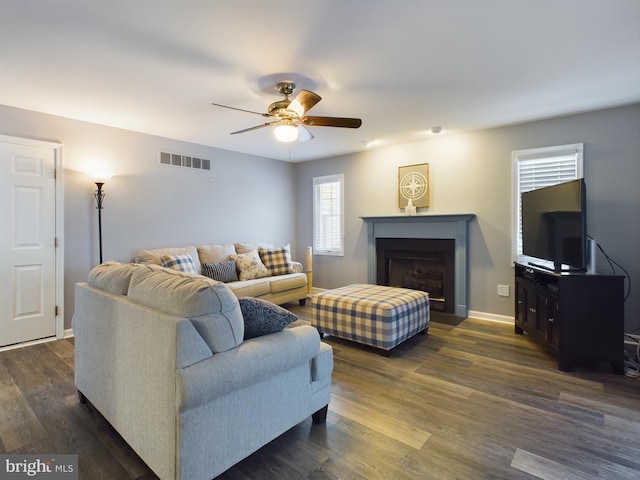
[
  {"x": 419, "y": 264},
  {"x": 418, "y": 274}
]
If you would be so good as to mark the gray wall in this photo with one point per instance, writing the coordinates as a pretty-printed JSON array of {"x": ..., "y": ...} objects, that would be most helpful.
[
  {"x": 148, "y": 205},
  {"x": 471, "y": 173},
  {"x": 252, "y": 198}
]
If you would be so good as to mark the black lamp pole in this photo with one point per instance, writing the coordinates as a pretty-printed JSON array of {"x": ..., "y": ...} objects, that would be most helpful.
[{"x": 99, "y": 194}]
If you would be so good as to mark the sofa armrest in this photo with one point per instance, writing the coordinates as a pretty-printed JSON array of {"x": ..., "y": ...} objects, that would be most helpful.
[
  {"x": 253, "y": 361},
  {"x": 322, "y": 364}
]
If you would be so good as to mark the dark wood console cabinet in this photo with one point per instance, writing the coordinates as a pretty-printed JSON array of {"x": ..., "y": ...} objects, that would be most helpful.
[{"x": 576, "y": 316}]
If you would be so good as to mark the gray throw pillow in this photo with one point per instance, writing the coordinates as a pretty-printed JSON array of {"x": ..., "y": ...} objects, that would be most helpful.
[{"x": 262, "y": 317}]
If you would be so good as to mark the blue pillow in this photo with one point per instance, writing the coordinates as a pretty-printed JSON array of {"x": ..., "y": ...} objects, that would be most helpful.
[{"x": 262, "y": 317}]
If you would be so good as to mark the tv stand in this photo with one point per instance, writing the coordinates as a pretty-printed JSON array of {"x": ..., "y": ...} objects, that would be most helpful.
[
  {"x": 543, "y": 267},
  {"x": 575, "y": 316},
  {"x": 557, "y": 269}
]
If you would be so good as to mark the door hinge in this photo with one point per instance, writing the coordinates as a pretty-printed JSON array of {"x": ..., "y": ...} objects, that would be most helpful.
[
  {"x": 55, "y": 242},
  {"x": 56, "y": 310},
  {"x": 55, "y": 173}
]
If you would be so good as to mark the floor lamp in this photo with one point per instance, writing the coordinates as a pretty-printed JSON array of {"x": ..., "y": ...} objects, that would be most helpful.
[{"x": 99, "y": 196}]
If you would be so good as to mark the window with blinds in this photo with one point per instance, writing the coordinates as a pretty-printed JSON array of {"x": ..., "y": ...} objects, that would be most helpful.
[
  {"x": 541, "y": 167},
  {"x": 328, "y": 215}
]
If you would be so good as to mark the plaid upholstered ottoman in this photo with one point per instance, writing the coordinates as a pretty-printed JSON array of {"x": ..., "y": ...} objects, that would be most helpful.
[{"x": 374, "y": 315}]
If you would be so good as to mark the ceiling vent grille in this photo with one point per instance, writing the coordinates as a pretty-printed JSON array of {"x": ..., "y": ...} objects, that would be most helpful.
[{"x": 185, "y": 161}]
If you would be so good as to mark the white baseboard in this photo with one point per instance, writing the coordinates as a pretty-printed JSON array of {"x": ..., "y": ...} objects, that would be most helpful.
[
  {"x": 492, "y": 317},
  {"x": 68, "y": 333}
]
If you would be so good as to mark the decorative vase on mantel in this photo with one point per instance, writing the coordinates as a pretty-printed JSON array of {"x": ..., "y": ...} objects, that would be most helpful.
[{"x": 410, "y": 209}]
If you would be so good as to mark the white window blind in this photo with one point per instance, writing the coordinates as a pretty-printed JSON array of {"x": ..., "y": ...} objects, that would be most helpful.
[
  {"x": 328, "y": 221},
  {"x": 538, "y": 168}
]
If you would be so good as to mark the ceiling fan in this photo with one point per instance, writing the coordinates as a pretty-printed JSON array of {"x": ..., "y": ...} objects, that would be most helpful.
[{"x": 289, "y": 116}]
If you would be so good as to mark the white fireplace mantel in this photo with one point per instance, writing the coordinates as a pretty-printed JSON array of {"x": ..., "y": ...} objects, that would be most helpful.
[{"x": 426, "y": 226}]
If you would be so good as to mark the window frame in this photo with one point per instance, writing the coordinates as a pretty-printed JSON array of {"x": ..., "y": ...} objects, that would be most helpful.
[
  {"x": 317, "y": 183},
  {"x": 540, "y": 154}
]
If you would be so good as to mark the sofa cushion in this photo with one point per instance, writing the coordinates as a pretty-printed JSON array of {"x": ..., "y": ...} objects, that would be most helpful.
[
  {"x": 250, "y": 246},
  {"x": 182, "y": 262},
  {"x": 282, "y": 283},
  {"x": 212, "y": 308},
  {"x": 250, "y": 288},
  {"x": 153, "y": 256},
  {"x": 250, "y": 266},
  {"x": 216, "y": 253},
  {"x": 113, "y": 277},
  {"x": 277, "y": 260},
  {"x": 221, "y": 271},
  {"x": 262, "y": 317}
]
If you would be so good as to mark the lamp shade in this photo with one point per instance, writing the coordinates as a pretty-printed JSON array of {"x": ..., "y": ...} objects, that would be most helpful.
[
  {"x": 286, "y": 132},
  {"x": 101, "y": 176}
]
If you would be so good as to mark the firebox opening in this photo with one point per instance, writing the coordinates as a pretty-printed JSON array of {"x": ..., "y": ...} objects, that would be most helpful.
[{"x": 419, "y": 264}]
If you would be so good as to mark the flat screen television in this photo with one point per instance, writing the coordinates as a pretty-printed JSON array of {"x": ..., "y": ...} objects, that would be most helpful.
[{"x": 554, "y": 225}]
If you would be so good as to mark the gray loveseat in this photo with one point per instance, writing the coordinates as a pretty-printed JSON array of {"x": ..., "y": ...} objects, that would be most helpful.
[
  {"x": 161, "y": 355},
  {"x": 278, "y": 287}
]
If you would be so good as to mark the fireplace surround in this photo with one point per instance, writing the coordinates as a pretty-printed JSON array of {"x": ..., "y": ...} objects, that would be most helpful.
[{"x": 452, "y": 227}]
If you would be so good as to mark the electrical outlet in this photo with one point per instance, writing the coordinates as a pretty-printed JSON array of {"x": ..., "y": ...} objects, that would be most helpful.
[{"x": 503, "y": 290}]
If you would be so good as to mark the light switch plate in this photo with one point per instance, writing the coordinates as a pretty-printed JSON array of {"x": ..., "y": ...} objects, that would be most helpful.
[{"x": 503, "y": 290}]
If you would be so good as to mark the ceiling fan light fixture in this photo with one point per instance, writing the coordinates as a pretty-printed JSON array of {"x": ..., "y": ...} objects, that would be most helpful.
[
  {"x": 286, "y": 133},
  {"x": 289, "y": 116}
]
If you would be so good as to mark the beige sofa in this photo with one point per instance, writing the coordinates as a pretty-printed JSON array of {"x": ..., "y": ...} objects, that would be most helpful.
[
  {"x": 162, "y": 356},
  {"x": 278, "y": 289}
]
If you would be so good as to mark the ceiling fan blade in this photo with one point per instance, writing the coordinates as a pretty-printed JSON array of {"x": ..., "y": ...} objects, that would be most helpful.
[
  {"x": 332, "y": 122},
  {"x": 240, "y": 109},
  {"x": 304, "y": 135},
  {"x": 304, "y": 101},
  {"x": 254, "y": 128}
]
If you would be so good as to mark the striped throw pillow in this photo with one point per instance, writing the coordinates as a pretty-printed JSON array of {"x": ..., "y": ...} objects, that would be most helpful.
[
  {"x": 277, "y": 260},
  {"x": 221, "y": 271}
]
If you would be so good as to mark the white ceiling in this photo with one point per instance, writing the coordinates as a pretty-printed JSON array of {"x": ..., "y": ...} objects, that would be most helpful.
[{"x": 402, "y": 66}]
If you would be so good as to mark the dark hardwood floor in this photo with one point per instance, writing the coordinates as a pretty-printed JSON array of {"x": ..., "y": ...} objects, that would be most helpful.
[{"x": 472, "y": 401}]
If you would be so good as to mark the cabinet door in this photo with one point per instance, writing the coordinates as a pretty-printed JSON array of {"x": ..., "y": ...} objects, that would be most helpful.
[
  {"x": 522, "y": 303},
  {"x": 553, "y": 314},
  {"x": 540, "y": 317}
]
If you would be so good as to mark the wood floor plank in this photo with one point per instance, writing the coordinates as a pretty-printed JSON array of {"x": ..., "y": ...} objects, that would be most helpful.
[
  {"x": 392, "y": 427},
  {"x": 473, "y": 401},
  {"x": 63, "y": 350},
  {"x": 20, "y": 425},
  {"x": 546, "y": 469},
  {"x": 606, "y": 404}
]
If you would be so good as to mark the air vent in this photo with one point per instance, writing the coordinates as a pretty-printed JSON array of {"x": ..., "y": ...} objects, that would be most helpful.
[{"x": 185, "y": 161}]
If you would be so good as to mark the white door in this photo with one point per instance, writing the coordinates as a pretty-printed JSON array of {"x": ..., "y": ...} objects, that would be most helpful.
[{"x": 27, "y": 243}]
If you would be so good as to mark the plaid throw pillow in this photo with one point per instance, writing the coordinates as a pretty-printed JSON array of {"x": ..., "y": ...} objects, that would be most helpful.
[
  {"x": 221, "y": 271},
  {"x": 277, "y": 260},
  {"x": 182, "y": 263}
]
